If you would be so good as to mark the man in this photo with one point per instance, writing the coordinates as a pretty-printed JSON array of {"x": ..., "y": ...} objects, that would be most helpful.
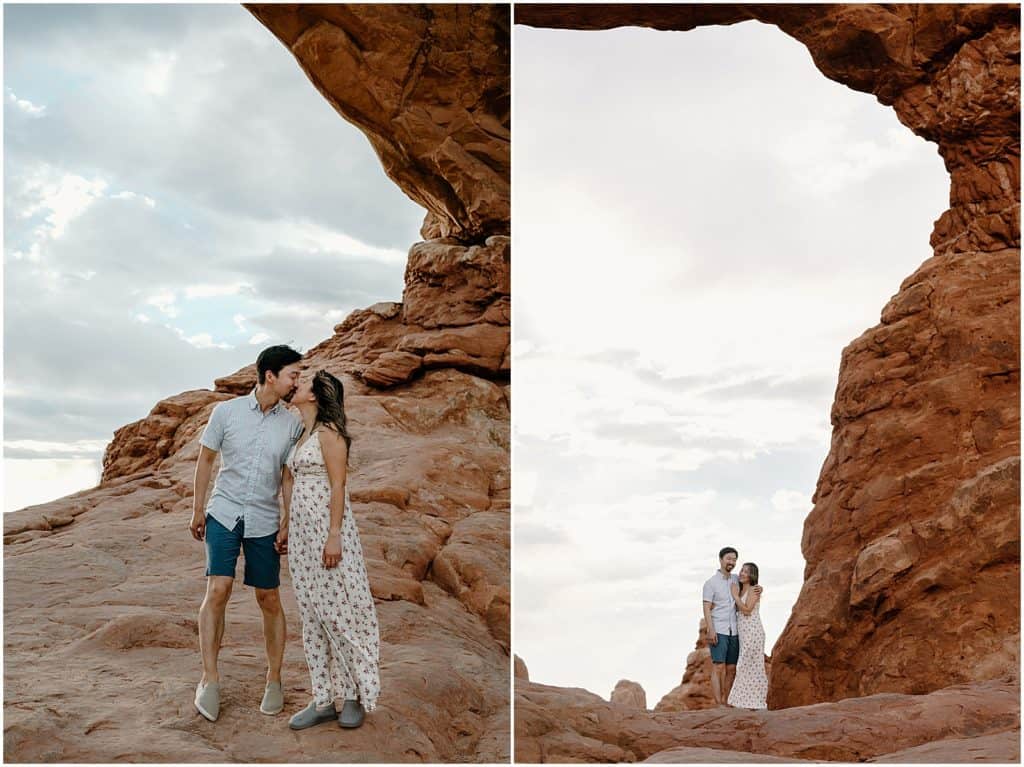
[
  {"x": 253, "y": 435},
  {"x": 720, "y": 619}
]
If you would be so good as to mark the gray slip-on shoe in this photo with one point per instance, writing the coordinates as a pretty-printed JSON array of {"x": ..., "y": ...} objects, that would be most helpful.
[
  {"x": 352, "y": 714},
  {"x": 208, "y": 700},
  {"x": 273, "y": 699},
  {"x": 310, "y": 715}
]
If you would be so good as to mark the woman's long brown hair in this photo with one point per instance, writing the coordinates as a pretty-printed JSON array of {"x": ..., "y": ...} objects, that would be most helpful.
[{"x": 330, "y": 404}]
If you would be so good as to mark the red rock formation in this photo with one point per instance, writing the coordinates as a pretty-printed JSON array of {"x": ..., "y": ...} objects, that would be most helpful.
[
  {"x": 629, "y": 694},
  {"x": 519, "y": 669},
  {"x": 429, "y": 86},
  {"x": 555, "y": 724},
  {"x": 102, "y": 587},
  {"x": 913, "y": 569}
]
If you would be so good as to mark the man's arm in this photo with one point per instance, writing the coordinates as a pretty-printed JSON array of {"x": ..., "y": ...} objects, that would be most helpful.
[
  {"x": 711, "y": 635},
  {"x": 287, "y": 480},
  {"x": 204, "y": 469}
]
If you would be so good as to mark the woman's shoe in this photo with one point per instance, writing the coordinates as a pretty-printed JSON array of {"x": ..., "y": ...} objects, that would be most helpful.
[
  {"x": 352, "y": 714},
  {"x": 312, "y": 715}
]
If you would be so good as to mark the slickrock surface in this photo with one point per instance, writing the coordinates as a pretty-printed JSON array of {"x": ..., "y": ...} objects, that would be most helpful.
[
  {"x": 102, "y": 587},
  {"x": 556, "y": 724},
  {"x": 629, "y": 694},
  {"x": 913, "y": 545},
  {"x": 429, "y": 86}
]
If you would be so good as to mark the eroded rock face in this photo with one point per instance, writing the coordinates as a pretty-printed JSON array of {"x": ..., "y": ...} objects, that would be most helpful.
[
  {"x": 429, "y": 86},
  {"x": 556, "y": 724},
  {"x": 915, "y": 527},
  {"x": 629, "y": 694}
]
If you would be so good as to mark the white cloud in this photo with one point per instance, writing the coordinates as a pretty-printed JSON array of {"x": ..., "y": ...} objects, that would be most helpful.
[
  {"x": 156, "y": 76},
  {"x": 199, "y": 340},
  {"x": 62, "y": 196},
  {"x": 791, "y": 501},
  {"x": 314, "y": 238},
  {"x": 44, "y": 447},
  {"x": 239, "y": 321},
  {"x": 208, "y": 291},
  {"x": 149, "y": 202},
  {"x": 142, "y": 318},
  {"x": 259, "y": 338},
  {"x": 825, "y": 155},
  {"x": 164, "y": 302},
  {"x": 25, "y": 105}
]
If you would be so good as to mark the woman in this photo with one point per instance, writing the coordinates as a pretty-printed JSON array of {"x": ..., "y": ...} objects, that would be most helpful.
[
  {"x": 750, "y": 688},
  {"x": 339, "y": 621}
]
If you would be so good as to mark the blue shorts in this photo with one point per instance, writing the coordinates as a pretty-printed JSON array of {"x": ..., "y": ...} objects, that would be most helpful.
[
  {"x": 727, "y": 650},
  {"x": 262, "y": 562}
]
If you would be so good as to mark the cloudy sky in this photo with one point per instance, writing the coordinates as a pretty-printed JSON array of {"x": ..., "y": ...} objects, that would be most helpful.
[
  {"x": 701, "y": 221},
  {"x": 177, "y": 196}
]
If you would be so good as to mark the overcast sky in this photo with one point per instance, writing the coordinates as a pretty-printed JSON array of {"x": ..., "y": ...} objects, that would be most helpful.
[
  {"x": 701, "y": 221},
  {"x": 177, "y": 197}
]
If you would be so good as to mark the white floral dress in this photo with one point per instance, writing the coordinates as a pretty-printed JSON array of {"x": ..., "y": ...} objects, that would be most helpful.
[
  {"x": 750, "y": 688},
  {"x": 340, "y": 634}
]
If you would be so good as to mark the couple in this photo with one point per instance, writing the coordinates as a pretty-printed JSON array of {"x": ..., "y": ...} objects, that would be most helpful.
[
  {"x": 735, "y": 634},
  {"x": 265, "y": 448}
]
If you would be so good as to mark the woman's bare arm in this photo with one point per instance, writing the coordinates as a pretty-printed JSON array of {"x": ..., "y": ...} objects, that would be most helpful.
[
  {"x": 335, "y": 452},
  {"x": 745, "y": 609}
]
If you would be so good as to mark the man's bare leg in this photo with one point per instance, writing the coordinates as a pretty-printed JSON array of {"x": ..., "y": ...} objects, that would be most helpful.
[
  {"x": 730, "y": 677},
  {"x": 717, "y": 682},
  {"x": 269, "y": 601},
  {"x": 211, "y": 623}
]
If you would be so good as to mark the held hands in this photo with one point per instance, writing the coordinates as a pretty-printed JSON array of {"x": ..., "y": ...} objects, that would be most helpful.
[
  {"x": 758, "y": 590},
  {"x": 281, "y": 542},
  {"x": 197, "y": 525},
  {"x": 332, "y": 550}
]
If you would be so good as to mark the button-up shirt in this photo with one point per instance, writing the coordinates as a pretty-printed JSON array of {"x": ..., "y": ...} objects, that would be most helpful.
[
  {"x": 718, "y": 591},
  {"x": 253, "y": 447}
]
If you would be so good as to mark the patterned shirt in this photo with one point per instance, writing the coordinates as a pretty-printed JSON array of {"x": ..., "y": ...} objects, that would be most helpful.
[
  {"x": 253, "y": 447},
  {"x": 718, "y": 591}
]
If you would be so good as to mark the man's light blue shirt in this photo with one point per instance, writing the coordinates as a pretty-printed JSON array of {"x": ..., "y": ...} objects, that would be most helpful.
[
  {"x": 253, "y": 447},
  {"x": 718, "y": 591}
]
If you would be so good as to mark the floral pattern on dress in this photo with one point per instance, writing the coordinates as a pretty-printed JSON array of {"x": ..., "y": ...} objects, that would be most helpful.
[
  {"x": 750, "y": 688},
  {"x": 340, "y": 634}
]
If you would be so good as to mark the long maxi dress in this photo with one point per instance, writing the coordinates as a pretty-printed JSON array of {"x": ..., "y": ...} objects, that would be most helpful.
[
  {"x": 750, "y": 687},
  {"x": 340, "y": 634}
]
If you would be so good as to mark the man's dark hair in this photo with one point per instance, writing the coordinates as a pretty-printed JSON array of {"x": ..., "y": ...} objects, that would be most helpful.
[
  {"x": 273, "y": 358},
  {"x": 727, "y": 550}
]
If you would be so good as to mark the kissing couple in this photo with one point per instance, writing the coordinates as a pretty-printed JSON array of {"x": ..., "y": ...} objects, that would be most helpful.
[
  {"x": 265, "y": 449},
  {"x": 735, "y": 634}
]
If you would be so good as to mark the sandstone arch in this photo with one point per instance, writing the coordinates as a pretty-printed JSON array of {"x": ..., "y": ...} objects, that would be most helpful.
[
  {"x": 426, "y": 378},
  {"x": 913, "y": 545}
]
